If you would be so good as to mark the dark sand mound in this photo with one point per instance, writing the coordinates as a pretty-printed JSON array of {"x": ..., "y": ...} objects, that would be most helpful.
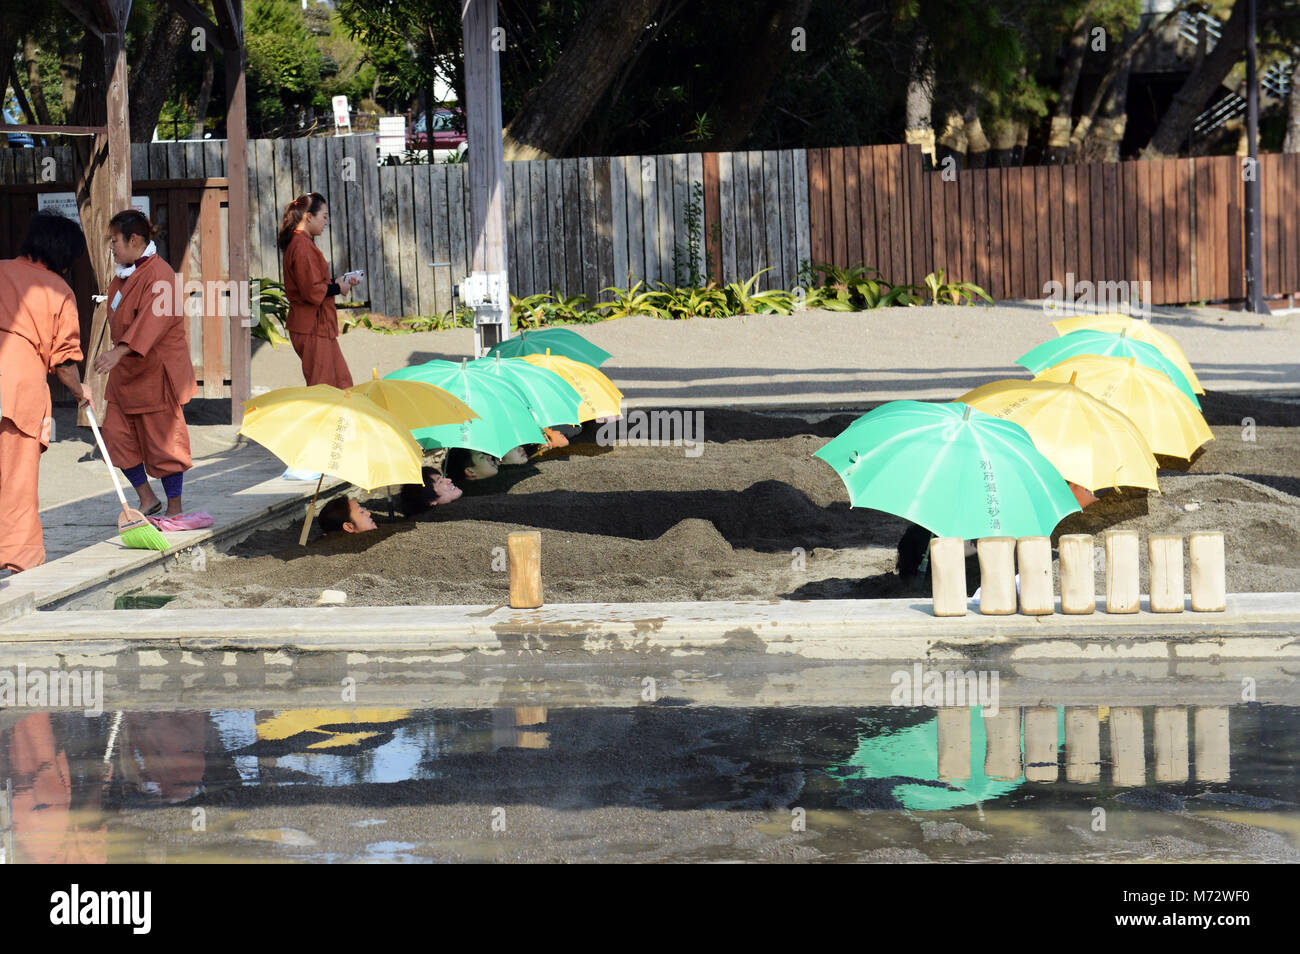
[{"x": 753, "y": 516}]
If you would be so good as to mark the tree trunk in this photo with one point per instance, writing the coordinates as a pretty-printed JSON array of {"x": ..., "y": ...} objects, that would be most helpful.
[
  {"x": 557, "y": 108},
  {"x": 1199, "y": 87},
  {"x": 1002, "y": 146},
  {"x": 977, "y": 144},
  {"x": 919, "y": 124},
  {"x": 34, "y": 89},
  {"x": 1292, "y": 143},
  {"x": 952, "y": 143},
  {"x": 151, "y": 73},
  {"x": 1058, "y": 140},
  {"x": 205, "y": 98},
  {"x": 1105, "y": 136},
  {"x": 756, "y": 59}
]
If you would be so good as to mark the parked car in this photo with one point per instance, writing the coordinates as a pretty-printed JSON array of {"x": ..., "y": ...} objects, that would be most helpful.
[
  {"x": 18, "y": 140},
  {"x": 446, "y": 139}
]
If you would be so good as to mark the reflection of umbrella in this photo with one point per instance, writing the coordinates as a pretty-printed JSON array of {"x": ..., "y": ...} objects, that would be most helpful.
[
  {"x": 1051, "y": 353},
  {"x": 1088, "y": 441},
  {"x": 415, "y": 403},
  {"x": 1139, "y": 330},
  {"x": 504, "y": 421},
  {"x": 911, "y": 756},
  {"x": 600, "y": 398},
  {"x": 557, "y": 341},
  {"x": 954, "y": 470},
  {"x": 551, "y": 398},
  {"x": 1146, "y": 397}
]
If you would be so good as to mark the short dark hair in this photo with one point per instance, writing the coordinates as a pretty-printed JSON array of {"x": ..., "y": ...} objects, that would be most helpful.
[
  {"x": 54, "y": 240},
  {"x": 335, "y": 513}
]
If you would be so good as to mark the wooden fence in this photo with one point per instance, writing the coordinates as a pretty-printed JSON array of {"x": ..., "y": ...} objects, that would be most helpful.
[{"x": 576, "y": 226}]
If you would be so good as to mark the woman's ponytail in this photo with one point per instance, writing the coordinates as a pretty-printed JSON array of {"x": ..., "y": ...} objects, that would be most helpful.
[{"x": 308, "y": 204}]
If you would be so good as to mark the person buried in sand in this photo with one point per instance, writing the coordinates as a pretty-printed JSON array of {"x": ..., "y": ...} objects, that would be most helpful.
[
  {"x": 344, "y": 513},
  {"x": 435, "y": 490},
  {"x": 313, "y": 322},
  {"x": 150, "y": 373}
]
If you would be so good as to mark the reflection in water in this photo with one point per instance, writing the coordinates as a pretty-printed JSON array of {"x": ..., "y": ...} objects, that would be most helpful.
[{"x": 90, "y": 790}]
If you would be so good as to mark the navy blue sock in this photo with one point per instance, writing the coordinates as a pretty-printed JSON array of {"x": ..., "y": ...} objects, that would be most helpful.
[
  {"x": 172, "y": 485},
  {"x": 135, "y": 475}
]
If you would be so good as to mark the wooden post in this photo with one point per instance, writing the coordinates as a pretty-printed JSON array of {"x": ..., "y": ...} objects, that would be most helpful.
[
  {"x": 1165, "y": 571},
  {"x": 997, "y": 575},
  {"x": 1170, "y": 742},
  {"x": 1002, "y": 745},
  {"x": 1040, "y": 744},
  {"x": 1078, "y": 578},
  {"x": 1082, "y": 745},
  {"x": 1209, "y": 574},
  {"x": 953, "y": 729},
  {"x": 1122, "y": 590},
  {"x": 948, "y": 576},
  {"x": 1034, "y": 559},
  {"x": 527, "y": 738},
  {"x": 241, "y": 338},
  {"x": 525, "y": 549},
  {"x": 1127, "y": 752},
  {"x": 1213, "y": 762}
]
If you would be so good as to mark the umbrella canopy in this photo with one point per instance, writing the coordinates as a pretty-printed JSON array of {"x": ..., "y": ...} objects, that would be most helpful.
[
  {"x": 557, "y": 341},
  {"x": 323, "y": 429},
  {"x": 1139, "y": 330},
  {"x": 1051, "y": 353},
  {"x": 599, "y": 396},
  {"x": 504, "y": 421},
  {"x": 552, "y": 399},
  {"x": 1088, "y": 441},
  {"x": 954, "y": 470},
  {"x": 1146, "y": 397},
  {"x": 415, "y": 404}
]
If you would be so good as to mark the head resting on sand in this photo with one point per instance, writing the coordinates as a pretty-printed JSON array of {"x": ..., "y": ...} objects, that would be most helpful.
[{"x": 344, "y": 513}]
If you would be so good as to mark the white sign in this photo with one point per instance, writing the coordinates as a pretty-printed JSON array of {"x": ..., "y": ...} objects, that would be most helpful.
[
  {"x": 392, "y": 135},
  {"x": 65, "y": 203},
  {"x": 341, "y": 111}
]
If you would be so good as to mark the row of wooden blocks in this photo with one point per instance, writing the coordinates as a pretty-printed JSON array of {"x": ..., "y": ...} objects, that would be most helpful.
[{"x": 999, "y": 558}]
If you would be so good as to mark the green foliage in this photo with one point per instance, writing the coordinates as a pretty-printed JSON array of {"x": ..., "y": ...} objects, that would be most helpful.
[
  {"x": 546, "y": 308},
  {"x": 686, "y": 262},
  {"x": 953, "y": 293},
  {"x": 284, "y": 64},
  {"x": 631, "y": 301},
  {"x": 270, "y": 306}
]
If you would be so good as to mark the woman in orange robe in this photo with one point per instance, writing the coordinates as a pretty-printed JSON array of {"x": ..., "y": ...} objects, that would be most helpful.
[
  {"x": 150, "y": 374},
  {"x": 39, "y": 335},
  {"x": 313, "y": 322}
]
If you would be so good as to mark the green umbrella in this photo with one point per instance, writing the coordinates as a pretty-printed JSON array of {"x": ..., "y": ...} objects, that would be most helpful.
[
  {"x": 552, "y": 399},
  {"x": 1051, "y": 353},
  {"x": 954, "y": 470},
  {"x": 505, "y": 420},
  {"x": 558, "y": 340}
]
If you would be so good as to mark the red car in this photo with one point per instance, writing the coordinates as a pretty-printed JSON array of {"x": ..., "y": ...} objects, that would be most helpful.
[{"x": 446, "y": 139}]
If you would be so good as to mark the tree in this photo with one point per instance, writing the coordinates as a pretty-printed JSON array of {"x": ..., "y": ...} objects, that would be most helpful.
[{"x": 284, "y": 66}]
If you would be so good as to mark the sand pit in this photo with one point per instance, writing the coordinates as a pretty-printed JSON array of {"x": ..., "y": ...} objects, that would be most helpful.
[{"x": 753, "y": 516}]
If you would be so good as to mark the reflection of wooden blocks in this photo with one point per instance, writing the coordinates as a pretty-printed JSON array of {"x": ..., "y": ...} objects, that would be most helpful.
[
  {"x": 1034, "y": 558},
  {"x": 1078, "y": 579},
  {"x": 948, "y": 576},
  {"x": 1122, "y": 591},
  {"x": 1169, "y": 735},
  {"x": 1082, "y": 745},
  {"x": 1209, "y": 578},
  {"x": 1212, "y": 744},
  {"x": 1165, "y": 570},
  {"x": 1127, "y": 752},
  {"x": 1040, "y": 744},
  {"x": 952, "y": 725},
  {"x": 525, "y": 550},
  {"x": 1002, "y": 745},
  {"x": 997, "y": 575}
]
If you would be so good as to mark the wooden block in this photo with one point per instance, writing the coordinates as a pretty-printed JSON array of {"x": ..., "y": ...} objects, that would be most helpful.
[
  {"x": 1211, "y": 744},
  {"x": 948, "y": 576},
  {"x": 1127, "y": 751},
  {"x": 525, "y": 551},
  {"x": 1122, "y": 591},
  {"x": 1078, "y": 578},
  {"x": 1082, "y": 745},
  {"x": 1002, "y": 745},
  {"x": 1034, "y": 560},
  {"x": 1170, "y": 743},
  {"x": 997, "y": 575},
  {"x": 1209, "y": 575},
  {"x": 1040, "y": 744},
  {"x": 952, "y": 725},
  {"x": 1165, "y": 570}
]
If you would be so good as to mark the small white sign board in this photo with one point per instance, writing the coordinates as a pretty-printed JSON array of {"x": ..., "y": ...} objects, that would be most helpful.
[
  {"x": 392, "y": 136},
  {"x": 341, "y": 112},
  {"x": 65, "y": 203}
]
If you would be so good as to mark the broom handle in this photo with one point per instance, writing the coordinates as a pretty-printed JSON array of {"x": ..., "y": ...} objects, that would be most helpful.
[{"x": 112, "y": 472}]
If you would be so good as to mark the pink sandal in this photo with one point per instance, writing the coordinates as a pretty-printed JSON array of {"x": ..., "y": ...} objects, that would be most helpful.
[{"x": 184, "y": 521}]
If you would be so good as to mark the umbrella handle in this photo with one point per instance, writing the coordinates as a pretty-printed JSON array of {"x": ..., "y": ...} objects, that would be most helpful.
[{"x": 311, "y": 512}]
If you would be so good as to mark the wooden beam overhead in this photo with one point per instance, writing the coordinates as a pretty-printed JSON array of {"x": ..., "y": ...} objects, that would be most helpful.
[
  {"x": 81, "y": 10},
  {"x": 58, "y": 130},
  {"x": 231, "y": 22},
  {"x": 196, "y": 17}
]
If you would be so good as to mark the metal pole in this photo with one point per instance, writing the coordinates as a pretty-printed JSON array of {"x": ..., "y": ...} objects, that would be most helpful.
[{"x": 1254, "y": 246}]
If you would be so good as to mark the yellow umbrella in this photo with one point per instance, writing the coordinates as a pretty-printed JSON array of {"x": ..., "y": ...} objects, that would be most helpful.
[
  {"x": 339, "y": 433},
  {"x": 1164, "y": 414},
  {"x": 1088, "y": 441},
  {"x": 599, "y": 396},
  {"x": 415, "y": 404},
  {"x": 1137, "y": 329}
]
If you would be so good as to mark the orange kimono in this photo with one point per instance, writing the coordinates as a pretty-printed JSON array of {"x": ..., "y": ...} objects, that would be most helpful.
[
  {"x": 313, "y": 322},
  {"x": 144, "y": 421},
  {"x": 38, "y": 332}
]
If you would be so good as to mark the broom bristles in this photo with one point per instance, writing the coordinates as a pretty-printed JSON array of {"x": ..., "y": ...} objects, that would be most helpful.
[{"x": 141, "y": 535}]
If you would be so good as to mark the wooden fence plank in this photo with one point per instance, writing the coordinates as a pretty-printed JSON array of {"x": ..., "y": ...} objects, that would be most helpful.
[
  {"x": 681, "y": 196},
  {"x": 979, "y": 182},
  {"x": 966, "y": 185},
  {"x": 1169, "y": 175},
  {"x": 789, "y": 217},
  {"x": 1131, "y": 208},
  {"x": 1236, "y": 233},
  {"x": 802, "y": 201},
  {"x": 852, "y": 206},
  {"x": 819, "y": 246},
  {"x": 573, "y": 230},
  {"x": 635, "y": 222},
  {"x": 604, "y": 233},
  {"x": 423, "y": 208},
  {"x": 867, "y": 188},
  {"x": 742, "y": 214},
  {"x": 1202, "y": 227},
  {"x": 1141, "y": 204},
  {"x": 899, "y": 244},
  {"x": 353, "y": 163},
  {"x": 1057, "y": 225},
  {"x": 439, "y": 239},
  {"x": 457, "y": 223},
  {"x": 538, "y": 201},
  {"x": 1155, "y": 205},
  {"x": 1272, "y": 223},
  {"x": 590, "y": 228},
  {"x": 1183, "y": 183},
  {"x": 757, "y": 223},
  {"x": 838, "y": 214},
  {"x": 553, "y": 224},
  {"x": 772, "y": 220},
  {"x": 389, "y": 239},
  {"x": 997, "y": 275},
  {"x": 406, "y": 224},
  {"x": 695, "y": 176},
  {"x": 618, "y": 215},
  {"x": 918, "y": 214},
  {"x": 215, "y": 313},
  {"x": 667, "y": 235},
  {"x": 1011, "y": 228}
]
